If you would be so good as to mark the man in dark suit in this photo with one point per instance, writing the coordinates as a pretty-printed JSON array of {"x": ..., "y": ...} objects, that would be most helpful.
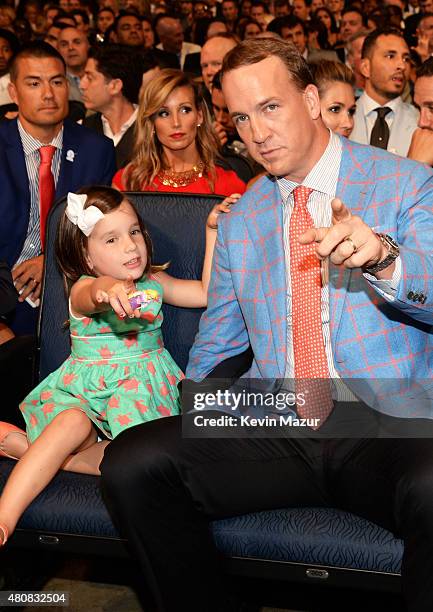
[
  {"x": 42, "y": 157},
  {"x": 110, "y": 86}
]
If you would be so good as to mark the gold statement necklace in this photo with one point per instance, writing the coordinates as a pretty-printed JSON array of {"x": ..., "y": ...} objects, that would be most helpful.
[{"x": 181, "y": 179}]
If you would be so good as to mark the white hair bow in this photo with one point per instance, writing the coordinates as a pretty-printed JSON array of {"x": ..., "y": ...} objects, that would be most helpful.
[{"x": 85, "y": 219}]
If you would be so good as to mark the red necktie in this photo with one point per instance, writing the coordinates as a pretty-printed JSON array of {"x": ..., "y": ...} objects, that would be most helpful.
[
  {"x": 46, "y": 186},
  {"x": 311, "y": 365}
]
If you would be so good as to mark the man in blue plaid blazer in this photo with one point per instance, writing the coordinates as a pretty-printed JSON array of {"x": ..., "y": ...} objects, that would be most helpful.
[{"x": 376, "y": 308}]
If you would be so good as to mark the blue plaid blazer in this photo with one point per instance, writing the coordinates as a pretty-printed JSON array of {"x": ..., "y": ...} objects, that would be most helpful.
[{"x": 383, "y": 349}]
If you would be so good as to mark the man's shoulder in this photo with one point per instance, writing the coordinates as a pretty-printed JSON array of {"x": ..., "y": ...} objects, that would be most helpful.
[
  {"x": 8, "y": 130},
  {"x": 261, "y": 192},
  {"x": 93, "y": 122},
  {"x": 85, "y": 136},
  {"x": 410, "y": 112},
  {"x": 383, "y": 162}
]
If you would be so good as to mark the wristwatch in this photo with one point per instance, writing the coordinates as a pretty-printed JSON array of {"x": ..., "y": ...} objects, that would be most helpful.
[{"x": 393, "y": 253}]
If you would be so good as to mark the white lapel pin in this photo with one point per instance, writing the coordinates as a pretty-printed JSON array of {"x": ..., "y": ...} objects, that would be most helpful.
[{"x": 70, "y": 155}]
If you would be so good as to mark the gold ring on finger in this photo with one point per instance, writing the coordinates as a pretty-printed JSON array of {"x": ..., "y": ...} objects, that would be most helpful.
[{"x": 354, "y": 247}]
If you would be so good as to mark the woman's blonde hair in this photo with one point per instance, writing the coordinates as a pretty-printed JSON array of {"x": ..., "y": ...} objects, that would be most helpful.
[
  {"x": 147, "y": 159},
  {"x": 326, "y": 72}
]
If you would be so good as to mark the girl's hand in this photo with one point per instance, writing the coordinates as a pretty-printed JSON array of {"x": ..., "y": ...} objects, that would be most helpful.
[
  {"x": 224, "y": 206},
  {"x": 117, "y": 297}
]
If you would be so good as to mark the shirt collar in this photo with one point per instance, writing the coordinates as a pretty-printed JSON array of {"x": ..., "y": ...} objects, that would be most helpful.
[
  {"x": 31, "y": 144},
  {"x": 323, "y": 177},
  {"x": 124, "y": 127},
  {"x": 370, "y": 105}
]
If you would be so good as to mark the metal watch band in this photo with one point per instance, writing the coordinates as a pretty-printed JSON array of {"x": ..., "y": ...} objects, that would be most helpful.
[{"x": 393, "y": 253}]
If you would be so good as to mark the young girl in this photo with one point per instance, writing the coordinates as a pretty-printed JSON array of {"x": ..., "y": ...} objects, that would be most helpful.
[{"x": 118, "y": 374}]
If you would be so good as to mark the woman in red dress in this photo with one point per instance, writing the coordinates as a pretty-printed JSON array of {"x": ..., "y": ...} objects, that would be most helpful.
[{"x": 176, "y": 147}]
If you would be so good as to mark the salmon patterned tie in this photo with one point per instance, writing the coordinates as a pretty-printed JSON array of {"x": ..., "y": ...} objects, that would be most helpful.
[
  {"x": 46, "y": 186},
  {"x": 311, "y": 366}
]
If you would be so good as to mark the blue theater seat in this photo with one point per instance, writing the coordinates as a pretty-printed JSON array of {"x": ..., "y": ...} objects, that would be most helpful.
[{"x": 311, "y": 545}]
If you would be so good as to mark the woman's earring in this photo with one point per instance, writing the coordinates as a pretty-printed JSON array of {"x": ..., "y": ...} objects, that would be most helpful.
[{"x": 198, "y": 124}]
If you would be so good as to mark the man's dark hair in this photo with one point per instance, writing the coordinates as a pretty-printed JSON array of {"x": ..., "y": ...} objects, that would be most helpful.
[
  {"x": 13, "y": 41},
  {"x": 426, "y": 69},
  {"x": 161, "y": 16},
  {"x": 121, "y": 62},
  {"x": 371, "y": 39},
  {"x": 252, "y": 51},
  {"x": 259, "y": 3},
  {"x": 83, "y": 14},
  {"x": 60, "y": 25},
  {"x": 38, "y": 49},
  {"x": 287, "y": 21},
  {"x": 124, "y": 14},
  {"x": 105, "y": 9},
  {"x": 315, "y": 25},
  {"x": 355, "y": 9}
]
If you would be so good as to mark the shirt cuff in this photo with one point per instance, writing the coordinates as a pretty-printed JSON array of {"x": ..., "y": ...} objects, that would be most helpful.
[{"x": 387, "y": 287}]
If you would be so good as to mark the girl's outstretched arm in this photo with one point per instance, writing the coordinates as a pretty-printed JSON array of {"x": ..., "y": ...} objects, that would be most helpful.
[
  {"x": 90, "y": 295},
  {"x": 193, "y": 293}
]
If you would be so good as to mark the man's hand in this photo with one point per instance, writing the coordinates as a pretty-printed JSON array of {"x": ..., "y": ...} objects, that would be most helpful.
[
  {"x": 221, "y": 133},
  {"x": 348, "y": 242},
  {"x": 28, "y": 276},
  {"x": 421, "y": 146}
]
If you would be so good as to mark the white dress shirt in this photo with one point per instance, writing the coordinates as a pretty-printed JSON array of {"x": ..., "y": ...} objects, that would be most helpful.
[
  {"x": 402, "y": 122},
  {"x": 116, "y": 138},
  {"x": 323, "y": 179}
]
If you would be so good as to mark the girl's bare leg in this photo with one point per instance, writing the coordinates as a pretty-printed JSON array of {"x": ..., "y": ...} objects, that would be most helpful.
[
  {"x": 87, "y": 461},
  {"x": 69, "y": 431}
]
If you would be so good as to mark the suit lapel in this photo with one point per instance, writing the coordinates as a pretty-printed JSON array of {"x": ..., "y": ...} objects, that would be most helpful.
[
  {"x": 17, "y": 166},
  {"x": 355, "y": 187},
  {"x": 69, "y": 161},
  {"x": 264, "y": 222}
]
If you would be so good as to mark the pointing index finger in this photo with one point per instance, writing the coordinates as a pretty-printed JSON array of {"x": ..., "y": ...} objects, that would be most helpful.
[{"x": 340, "y": 212}]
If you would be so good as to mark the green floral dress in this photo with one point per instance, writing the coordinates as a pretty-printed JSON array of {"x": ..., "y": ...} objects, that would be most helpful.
[{"x": 118, "y": 372}]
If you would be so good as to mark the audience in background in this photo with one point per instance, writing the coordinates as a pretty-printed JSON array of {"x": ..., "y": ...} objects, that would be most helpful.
[
  {"x": 73, "y": 46},
  {"x": 110, "y": 84},
  {"x": 335, "y": 83},
  {"x": 382, "y": 118},
  {"x": 212, "y": 55},
  {"x": 176, "y": 147}
]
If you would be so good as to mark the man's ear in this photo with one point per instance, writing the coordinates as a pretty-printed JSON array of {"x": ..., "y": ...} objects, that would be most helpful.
[
  {"x": 13, "y": 92},
  {"x": 312, "y": 100},
  {"x": 115, "y": 86},
  {"x": 364, "y": 67}
]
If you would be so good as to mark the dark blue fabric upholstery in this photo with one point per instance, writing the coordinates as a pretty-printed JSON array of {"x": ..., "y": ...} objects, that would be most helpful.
[{"x": 72, "y": 504}]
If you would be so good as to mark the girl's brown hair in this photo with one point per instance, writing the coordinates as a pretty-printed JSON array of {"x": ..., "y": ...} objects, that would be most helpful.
[
  {"x": 147, "y": 160},
  {"x": 71, "y": 243}
]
